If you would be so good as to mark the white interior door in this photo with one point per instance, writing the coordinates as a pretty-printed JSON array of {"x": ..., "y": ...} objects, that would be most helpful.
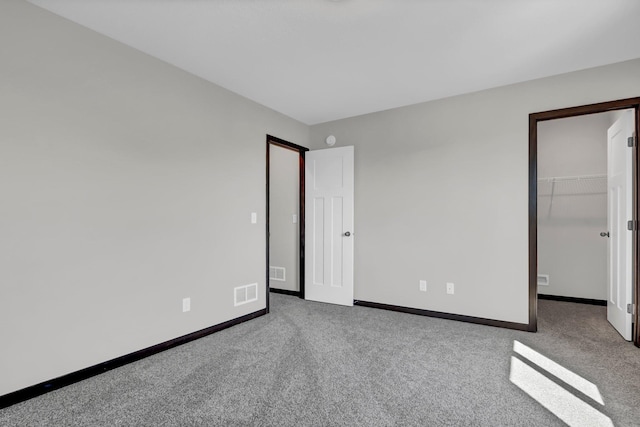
[
  {"x": 620, "y": 211},
  {"x": 329, "y": 225}
]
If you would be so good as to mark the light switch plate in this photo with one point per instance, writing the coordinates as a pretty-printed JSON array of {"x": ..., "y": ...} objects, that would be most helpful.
[{"x": 254, "y": 218}]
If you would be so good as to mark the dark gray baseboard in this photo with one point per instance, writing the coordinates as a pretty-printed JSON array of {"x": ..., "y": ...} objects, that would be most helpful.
[
  {"x": 285, "y": 292},
  {"x": 74, "y": 377},
  {"x": 573, "y": 299},
  {"x": 448, "y": 316}
]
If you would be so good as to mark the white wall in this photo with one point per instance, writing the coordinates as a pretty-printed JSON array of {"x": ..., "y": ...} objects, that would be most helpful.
[
  {"x": 441, "y": 192},
  {"x": 125, "y": 185},
  {"x": 570, "y": 249},
  {"x": 284, "y": 195}
]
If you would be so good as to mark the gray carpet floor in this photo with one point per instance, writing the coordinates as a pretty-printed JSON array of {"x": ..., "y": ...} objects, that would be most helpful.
[{"x": 312, "y": 364}]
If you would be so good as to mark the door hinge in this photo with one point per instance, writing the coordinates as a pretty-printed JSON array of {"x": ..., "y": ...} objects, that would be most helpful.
[
  {"x": 632, "y": 141},
  {"x": 629, "y": 309},
  {"x": 630, "y": 225}
]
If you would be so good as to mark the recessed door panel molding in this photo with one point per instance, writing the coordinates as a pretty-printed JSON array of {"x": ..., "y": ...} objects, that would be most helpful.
[
  {"x": 318, "y": 242},
  {"x": 328, "y": 174},
  {"x": 336, "y": 237}
]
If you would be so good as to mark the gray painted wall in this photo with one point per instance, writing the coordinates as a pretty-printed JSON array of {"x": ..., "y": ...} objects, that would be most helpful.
[
  {"x": 570, "y": 249},
  {"x": 125, "y": 185},
  {"x": 441, "y": 192},
  {"x": 284, "y": 195}
]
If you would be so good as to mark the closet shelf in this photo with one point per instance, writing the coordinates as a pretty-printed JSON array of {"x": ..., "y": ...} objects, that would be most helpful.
[{"x": 572, "y": 185}]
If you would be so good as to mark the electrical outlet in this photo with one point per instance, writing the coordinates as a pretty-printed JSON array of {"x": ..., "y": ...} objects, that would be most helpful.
[
  {"x": 450, "y": 288},
  {"x": 254, "y": 217},
  {"x": 186, "y": 304},
  {"x": 423, "y": 285}
]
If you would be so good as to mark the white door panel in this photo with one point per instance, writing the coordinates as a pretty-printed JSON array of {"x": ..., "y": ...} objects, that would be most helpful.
[
  {"x": 329, "y": 225},
  {"x": 620, "y": 211}
]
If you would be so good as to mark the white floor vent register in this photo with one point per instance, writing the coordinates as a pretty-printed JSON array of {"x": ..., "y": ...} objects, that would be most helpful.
[
  {"x": 245, "y": 294},
  {"x": 277, "y": 273},
  {"x": 543, "y": 280}
]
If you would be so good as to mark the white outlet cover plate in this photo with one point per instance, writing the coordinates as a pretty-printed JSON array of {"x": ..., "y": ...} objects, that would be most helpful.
[
  {"x": 450, "y": 288},
  {"x": 186, "y": 305},
  {"x": 423, "y": 285}
]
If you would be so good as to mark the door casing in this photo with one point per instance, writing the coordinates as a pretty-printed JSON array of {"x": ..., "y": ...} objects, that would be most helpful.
[
  {"x": 534, "y": 118},
  {"x": 272, "y": 140}
]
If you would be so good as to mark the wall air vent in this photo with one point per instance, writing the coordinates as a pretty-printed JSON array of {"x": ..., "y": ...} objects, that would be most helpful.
[
  {"x": 245, "y": 294},
  {"x": 277, "y": 273},
  {"x": 543, "y": 280}
]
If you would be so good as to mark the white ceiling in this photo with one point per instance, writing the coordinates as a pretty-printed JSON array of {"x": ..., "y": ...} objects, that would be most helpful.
[{"x": 321, "y": 60}]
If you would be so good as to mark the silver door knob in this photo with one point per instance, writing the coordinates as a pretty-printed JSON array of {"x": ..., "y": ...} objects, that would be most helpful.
[
  {"x": 347, "y": 234},
  {"x": 604, "y": 234}
]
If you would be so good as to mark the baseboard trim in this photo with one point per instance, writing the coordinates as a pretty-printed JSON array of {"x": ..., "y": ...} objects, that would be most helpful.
[
  {"x": 74, "y": 377},
  {"x": 448, "y": 316},
  {"x": 285, "y": 292},
  {"x": 573, "y": 299}
]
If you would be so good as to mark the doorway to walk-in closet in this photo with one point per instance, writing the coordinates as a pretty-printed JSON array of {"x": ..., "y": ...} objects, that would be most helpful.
[
  {"x": 584, "y": 204},
  {"x": 285, "y": 217}
]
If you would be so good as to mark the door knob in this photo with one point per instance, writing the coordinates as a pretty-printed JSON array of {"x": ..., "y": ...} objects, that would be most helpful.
[
  {"x": 604, "y": 234},
  {"x": 347, "y": 234}
]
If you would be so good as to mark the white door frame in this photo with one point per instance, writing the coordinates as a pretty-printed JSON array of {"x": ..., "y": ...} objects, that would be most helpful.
[{"x": 534, "y": 118}]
